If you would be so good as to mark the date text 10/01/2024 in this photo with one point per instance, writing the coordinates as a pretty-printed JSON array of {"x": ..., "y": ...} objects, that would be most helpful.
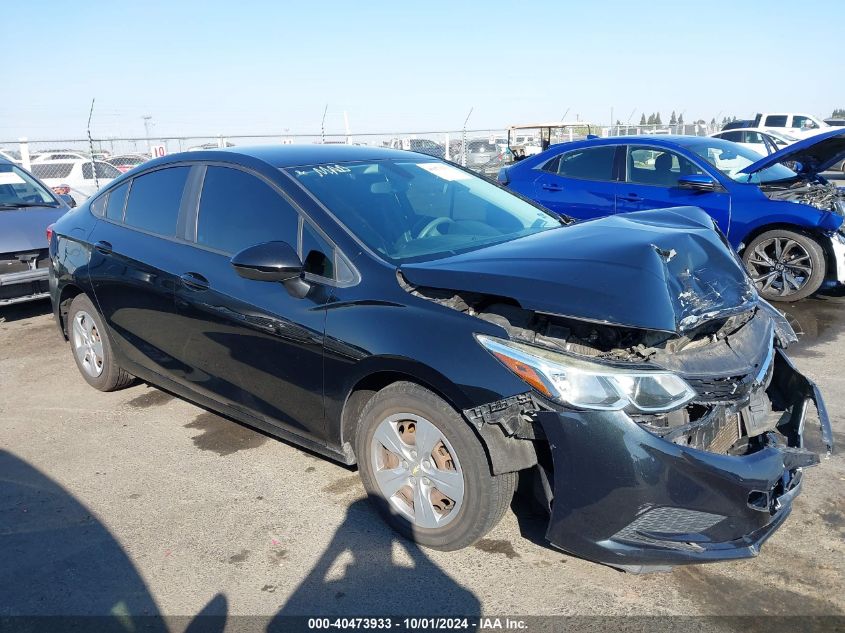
[{"x": 423, "y": 623}]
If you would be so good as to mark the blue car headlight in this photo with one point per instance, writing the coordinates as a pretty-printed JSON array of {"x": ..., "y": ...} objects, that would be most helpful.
[{"x": 587, "y": 385}]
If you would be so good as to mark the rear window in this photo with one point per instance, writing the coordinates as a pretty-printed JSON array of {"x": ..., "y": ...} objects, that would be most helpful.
[
  {"x": 155, "y": 199},
  {"x": 104, "y": 170},
  {"x": 52, "y": 170}
]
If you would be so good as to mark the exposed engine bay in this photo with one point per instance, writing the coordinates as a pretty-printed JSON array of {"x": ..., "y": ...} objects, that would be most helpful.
[
  {"x": 822, "y": 195},
  {"x": 730, "y": 363}
]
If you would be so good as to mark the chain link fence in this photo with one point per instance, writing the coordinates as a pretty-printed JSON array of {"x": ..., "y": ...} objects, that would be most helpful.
[{"x": 81, "y": 166}]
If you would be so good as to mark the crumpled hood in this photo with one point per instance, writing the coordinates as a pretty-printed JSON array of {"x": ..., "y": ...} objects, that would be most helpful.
[
  {"x": 663, "y": 270},
  {"x": 816, "y": 154},
  {"x": 25, "y": 229}
]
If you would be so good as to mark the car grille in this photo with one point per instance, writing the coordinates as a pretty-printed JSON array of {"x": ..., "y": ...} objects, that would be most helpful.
[{"x": 720, "y": 389}]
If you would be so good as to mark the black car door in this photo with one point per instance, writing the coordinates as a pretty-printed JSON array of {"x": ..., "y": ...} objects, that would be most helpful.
[
  {"x": 135, "y": 264},
  {"x": 250, "y": 344}
]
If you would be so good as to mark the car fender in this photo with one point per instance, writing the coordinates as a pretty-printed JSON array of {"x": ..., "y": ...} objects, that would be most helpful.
[{"x": 800, "y": 216}]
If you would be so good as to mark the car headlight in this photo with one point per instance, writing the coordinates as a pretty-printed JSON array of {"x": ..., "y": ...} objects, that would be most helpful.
[{"x": 587, "y": 385}]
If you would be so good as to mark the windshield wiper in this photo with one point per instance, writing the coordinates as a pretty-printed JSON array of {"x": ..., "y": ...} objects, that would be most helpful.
[{"x": 24, "y": 205}]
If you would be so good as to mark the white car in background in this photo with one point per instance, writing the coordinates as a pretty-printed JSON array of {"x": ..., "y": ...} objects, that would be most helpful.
[
  {"x": 77, "y": 174},
  {"x": 764, "y": 142},
  {"x": 13, "y": 156},
  {"x": 793, "y": 123},
  {"x": 63, "y": 154}
]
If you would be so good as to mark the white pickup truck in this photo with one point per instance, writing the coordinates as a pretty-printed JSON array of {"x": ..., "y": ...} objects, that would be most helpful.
[{"x": 798, "y": 123}]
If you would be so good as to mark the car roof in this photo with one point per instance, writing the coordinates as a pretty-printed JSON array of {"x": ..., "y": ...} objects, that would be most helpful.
[
  {"x": 293, "y": 155},
  {"x": 651, "y": 139}
]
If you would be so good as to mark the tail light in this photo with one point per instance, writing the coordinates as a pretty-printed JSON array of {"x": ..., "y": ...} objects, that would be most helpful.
[{"x": 49, "y": 234}]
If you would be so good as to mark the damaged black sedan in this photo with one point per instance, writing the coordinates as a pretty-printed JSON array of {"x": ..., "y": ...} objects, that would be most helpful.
[{"x": 396, "y": 312}]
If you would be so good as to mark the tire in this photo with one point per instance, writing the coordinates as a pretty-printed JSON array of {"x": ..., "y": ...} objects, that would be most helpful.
[
  {"x": 92, "y": 349},
  {"x": 445, "y": 523},
  {"x": 785, "y": 265}
]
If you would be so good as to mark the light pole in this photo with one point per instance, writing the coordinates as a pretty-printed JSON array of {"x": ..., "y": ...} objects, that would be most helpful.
[{"x": 147, "y": 119}]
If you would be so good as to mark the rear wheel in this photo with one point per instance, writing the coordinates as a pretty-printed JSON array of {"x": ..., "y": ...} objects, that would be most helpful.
[
  {"x": 785, "y": 265},
  {"x": 92, "y": 348},
  {"x": 426, "y": 469}
]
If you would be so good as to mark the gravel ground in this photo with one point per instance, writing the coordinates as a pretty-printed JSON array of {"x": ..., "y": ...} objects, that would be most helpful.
[{"x": 138, "y": 502}]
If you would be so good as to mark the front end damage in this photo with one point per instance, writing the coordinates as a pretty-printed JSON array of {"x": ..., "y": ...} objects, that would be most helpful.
[{"x": 711, "y": 480}]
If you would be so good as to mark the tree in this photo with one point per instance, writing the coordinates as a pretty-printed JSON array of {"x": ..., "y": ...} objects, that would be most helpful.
[
  {"x": 618, "y": 122},
  {"x": 657, "y": 120},
  {"x": 838, "y": 113},
  {"x": 642, "y": 119},
  {"x": 681, "y": 118},
  {"x": 713, "y": 121},
  {"x": 673, "y": 120},
  {"x": 650, "y": 119}
]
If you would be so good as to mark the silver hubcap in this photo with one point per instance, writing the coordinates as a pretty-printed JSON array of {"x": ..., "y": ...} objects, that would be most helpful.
[
  {"x": 87, "y": 344},
  {"x": 417, "y": 470},
  {"x": 780, "y": 266}
]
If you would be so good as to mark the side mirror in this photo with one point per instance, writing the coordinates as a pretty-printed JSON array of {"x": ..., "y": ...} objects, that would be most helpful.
[
  {"x": 698, "y": 182},
  {"x": 272, "y": 261}
]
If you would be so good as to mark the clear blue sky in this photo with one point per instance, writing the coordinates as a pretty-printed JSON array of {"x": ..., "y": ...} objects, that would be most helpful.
[{"x": 209, "y": 67}]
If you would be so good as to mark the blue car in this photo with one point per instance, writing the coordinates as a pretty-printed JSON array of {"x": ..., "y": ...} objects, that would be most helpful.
[{"x": 777, "y": 212}]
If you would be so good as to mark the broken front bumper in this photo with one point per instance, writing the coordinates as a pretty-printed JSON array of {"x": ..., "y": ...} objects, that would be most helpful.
[{"x": 627, "y": 498}]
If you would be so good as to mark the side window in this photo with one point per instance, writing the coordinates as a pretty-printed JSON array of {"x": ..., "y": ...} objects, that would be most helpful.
[
  {"x": 552, "y": 165},
  {"x": 317, "y": 255},
  {"x": 117, "y": 199},
  {"x": 653, "y": 166},
  {"x": 754, "y": 137},
  {"x": 591, "y": 163},
  {"x": 803, "y": 122},
  {"x": 238, "y": 210},
  {"x": 776, "y": 120},
  {"x": 735, "y": 137},
  {"x": 104, "y": 170},
  {"x": 154, "y": 202}
]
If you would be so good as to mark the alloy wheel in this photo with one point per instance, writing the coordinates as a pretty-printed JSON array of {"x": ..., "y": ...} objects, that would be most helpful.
[
  {"x": 417, "y": 470},
  {"x": 780, "y": 264},
  {"x": 87, "y": 344}
]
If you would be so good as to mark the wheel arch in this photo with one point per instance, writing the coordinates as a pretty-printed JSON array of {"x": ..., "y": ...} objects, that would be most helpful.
[
  {"x": 504, "y": 454},
  {"x": 68, "y": 293}
]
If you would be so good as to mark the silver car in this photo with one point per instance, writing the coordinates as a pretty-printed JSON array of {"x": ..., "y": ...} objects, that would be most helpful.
[{"x": 27, "y": 208}]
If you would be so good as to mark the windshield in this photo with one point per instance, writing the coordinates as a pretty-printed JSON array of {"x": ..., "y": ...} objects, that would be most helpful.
[
  {"x": 731, "y": 158},
  {"x": 19, "y": 189},
  {"x": 409, "y": 210}
]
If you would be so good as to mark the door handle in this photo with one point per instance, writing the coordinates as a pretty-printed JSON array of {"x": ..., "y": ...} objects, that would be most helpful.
[
  {"x": 194, "y": 281},
  {"x": 632, "y": 197},
  {"x": 549, "y": 187},
  {"x": 103, "y": 247}
]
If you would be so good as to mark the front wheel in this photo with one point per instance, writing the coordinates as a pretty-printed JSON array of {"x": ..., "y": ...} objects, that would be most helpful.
[
  {"x": 426, "y": 469},
  {"x": 785, "y": 265}
]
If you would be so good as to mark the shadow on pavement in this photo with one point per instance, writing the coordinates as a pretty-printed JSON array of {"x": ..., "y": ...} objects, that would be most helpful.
[
  {"x": 358, "y": 576},
  {"x": 62, "y": 569},
  {"x": 20, "y": 311},
  {"x": 58, "y": 559}
]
